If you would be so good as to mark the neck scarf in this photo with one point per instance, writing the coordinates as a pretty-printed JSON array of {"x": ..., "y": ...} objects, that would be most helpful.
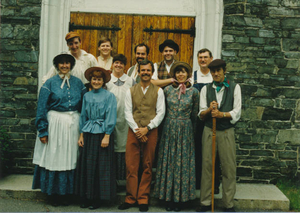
[
  {"x": 65, "y": 78},
  {"x": 219, "y": 85},
  {"x": 182, "y": 87}
]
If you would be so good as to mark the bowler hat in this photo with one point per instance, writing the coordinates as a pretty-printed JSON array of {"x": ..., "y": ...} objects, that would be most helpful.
[
  {"x": 216, "y": 63},
  {"x": 71, "y": 35},
  {"x": 181, "y": 63},
  {"x": 170, "y": 43},
  {"x": 88, "y": 72},
  {"x": 59, "y": 57}
]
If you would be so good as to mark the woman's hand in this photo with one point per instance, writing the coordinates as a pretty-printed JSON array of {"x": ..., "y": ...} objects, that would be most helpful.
[
  {"x": 44, "y": 139},
  {"x": 105, "y": 141},
  {"x": 80, "y": 140}
]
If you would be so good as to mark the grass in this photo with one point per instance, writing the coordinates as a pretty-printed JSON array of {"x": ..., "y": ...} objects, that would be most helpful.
[{"x": 291, "y": 188}]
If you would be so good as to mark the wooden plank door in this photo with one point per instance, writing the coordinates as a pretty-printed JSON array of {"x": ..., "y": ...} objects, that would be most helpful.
[{"x": 132, "y": 33}]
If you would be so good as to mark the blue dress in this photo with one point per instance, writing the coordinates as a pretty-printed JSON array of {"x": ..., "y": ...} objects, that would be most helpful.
[{"x": 95, "y": 172}]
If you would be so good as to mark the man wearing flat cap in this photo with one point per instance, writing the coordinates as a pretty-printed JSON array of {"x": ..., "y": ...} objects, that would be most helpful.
[
  {"x": 84, "y": 60},
  {"x": 161, "y": 77},
  {"x": 220, "y": 99}
]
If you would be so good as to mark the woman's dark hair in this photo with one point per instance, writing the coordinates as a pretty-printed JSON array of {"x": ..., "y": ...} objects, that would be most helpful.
[
  {"x": 120, "y": 57},
  {"x": 62, "y": 59},
  {"x": 98, "y": 74},
  {"x": 178, "y": 69}
]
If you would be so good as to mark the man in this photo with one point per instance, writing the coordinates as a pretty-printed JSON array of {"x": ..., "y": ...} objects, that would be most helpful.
[
  {"x": 84, "y": 60},
  {"x": 200, "y": 78},
  {"x": 221, "y": 100},
  {"x": 161, "y": 77},
  {"x": 144, "y": 111},
  {"x": 141, "y": 53}
]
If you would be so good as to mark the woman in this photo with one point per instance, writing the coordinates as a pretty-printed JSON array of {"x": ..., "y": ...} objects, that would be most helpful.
[
  {"x": 57, "y": 121},
  {"x": 105, "y": 59},
  {"x": 118, "y": 85},
  {"x": 175, "y": 178},
  {"x": 95, "y": 173}
]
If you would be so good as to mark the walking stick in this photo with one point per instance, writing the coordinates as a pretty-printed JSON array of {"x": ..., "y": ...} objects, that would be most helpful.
[{"x": 213, "y": 163}]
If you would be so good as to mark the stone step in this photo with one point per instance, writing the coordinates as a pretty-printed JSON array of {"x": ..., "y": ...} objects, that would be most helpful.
[{"x": 248, "y": 196}]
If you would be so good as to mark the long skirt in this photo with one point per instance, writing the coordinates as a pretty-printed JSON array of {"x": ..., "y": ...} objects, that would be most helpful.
[
  {"x": 95, "y": 172},
  {"x": 53, "y": 182},
  {"x": 120, "y": 166}
]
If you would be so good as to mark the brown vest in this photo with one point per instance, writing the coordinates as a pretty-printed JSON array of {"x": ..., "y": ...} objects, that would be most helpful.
[{"x": 143, "y": 106}]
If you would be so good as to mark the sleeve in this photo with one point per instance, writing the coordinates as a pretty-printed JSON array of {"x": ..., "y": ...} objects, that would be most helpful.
[
  {"x": 110, "y": 114},
  {"x": 237, "y": 105},
  {"x": 202, "y": 101},
  {"x": 83, "y": 115},
  {"x": 160, "y": 110},
  {"x": 128, "y": 112},
  {"x": 83, "y": 91},
  {"x": 93, "y": 61},
  {"x": 154, "y": 76},
  {"x": 195, "y": 108},
  {"x": 52, "y": 72},
  {"x": 41, "y": 121}
]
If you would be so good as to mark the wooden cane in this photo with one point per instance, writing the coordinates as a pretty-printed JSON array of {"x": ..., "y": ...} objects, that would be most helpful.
[{"x": 213, "y": 164}]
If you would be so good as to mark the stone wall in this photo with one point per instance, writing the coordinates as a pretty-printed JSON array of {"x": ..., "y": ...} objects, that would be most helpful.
[
  {"x": 261, "y": 44},
  {"x": 20, "y": 22}
]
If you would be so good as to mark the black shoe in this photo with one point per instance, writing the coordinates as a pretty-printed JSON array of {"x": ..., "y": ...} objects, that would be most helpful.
[
  {"x": 85, "y": 202},
  {"x": 177, "y": 207},
  {"x": 125, "y": 205},
  {"x": 95, "y": 204},
  {"x": 203, "y": 208},
  {"x": 64, "y": 200},
  {"x": 53, "y": 200},
  {"x": 169, "y": 206},
  {"x": 216, "y": 191},
  {"x": 143, "y": 207},
  {"x": 229, "y": 209}
]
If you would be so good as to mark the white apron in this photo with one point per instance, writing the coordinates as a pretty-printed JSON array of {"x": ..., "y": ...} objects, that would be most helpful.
[
  {"x": 121, "y": 128},
  {"x": 60, "y": 153}
]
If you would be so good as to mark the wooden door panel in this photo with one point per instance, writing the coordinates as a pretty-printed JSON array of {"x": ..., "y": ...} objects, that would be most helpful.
[{"x": 132, "y": 33}]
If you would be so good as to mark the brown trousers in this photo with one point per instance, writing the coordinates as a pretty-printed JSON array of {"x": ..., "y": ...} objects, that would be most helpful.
[
  {"x": 141, "y": 192},
  {"x": 225, "y": 146}
]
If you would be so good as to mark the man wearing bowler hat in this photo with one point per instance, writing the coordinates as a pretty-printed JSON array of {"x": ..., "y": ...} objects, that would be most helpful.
[
  {"x": 161, "y": 76},
  {"x": 84, "y": 60},
  {"x": 220, "y": 99}
]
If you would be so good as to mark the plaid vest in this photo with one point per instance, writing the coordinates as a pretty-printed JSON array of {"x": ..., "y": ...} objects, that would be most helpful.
[{"x": 162, "y": 72}]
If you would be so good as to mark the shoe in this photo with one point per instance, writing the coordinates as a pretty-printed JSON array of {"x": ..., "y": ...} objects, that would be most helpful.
[
  {"x": 216, "y": 191},
  {"x": 94, "y": 206},
  {"x": 53, "y": 200},
  {"x": 85, "y": 202},
  {"x": 169, "y": 206},
  {"x": 177, "y": 207},
  {"x": 143, "y": 207},
  {"x": 229, "y": 209},
  {"x": 203, "y": 208},
  {"x": 125, "y": 205},
  {"x": 64, "y": 200}
]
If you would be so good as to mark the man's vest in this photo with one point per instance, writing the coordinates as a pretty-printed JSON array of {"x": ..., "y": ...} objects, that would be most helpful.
[
  {"x": 226, "y": 105},
  {"x": 162, "y": 72},
  {"x": 144, "y": 106},
  {"x": 131, "y": 74}
]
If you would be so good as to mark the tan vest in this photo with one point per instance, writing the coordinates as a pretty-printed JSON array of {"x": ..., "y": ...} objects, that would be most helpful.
[{"x": 143, "y": 106}]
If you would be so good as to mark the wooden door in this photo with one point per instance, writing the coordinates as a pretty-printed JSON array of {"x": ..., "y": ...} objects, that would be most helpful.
[{"x": 132, "y": 32}]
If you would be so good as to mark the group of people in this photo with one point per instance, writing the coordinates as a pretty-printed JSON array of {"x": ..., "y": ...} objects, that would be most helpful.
[{"x": 98, "y": 126}]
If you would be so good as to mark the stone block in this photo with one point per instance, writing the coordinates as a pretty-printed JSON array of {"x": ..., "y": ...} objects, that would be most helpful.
[
  {"x": 30, "y": 136},
  {"x": 289, "y": 135},
  {"x": 297, "y": 110},
  {"x": 234, "y": 9},
  {"x": 8, "y": 2},
  {"x": 26, "y": 96},
  {"x": 281, "y": 11},
  {"x": 25, "y": 113},
  {"x": 290, "y": 3},
  {"x": 271, "y": 48},
  {"x": 228, "y": 38},
  {"x": 267, "y": 138},
  {"x": 26, "y": 32},
  {"x": 233, "y": 46},
  {"x": 292, "y": 55},
  {"x": 262, "y": 102},
  {"x": 262, "y": 174},
  {"x": 267, "y": 69},
  {"x": 290, "y": 44},
  {"x": 27, "y": 144},
  {"x": 279, "y": 124},
  {"x": 290, "y": 93},
  {"x": 275, "y": 146},
  {"x": 257, "y": 40},
  {"x": 7, "y": 12},
  {"x": 263, "y": 92},
  {"x": 242, "y": 152},
  {"x": 25, "y": 56},
  {"x": 16, "y": 20},
  {"x": 7, "y": 114},
  {"x": 286, "y": 71},
  {"x": 287, "y": 155},
  {"x": 288, "y": 103},
  {"x": 271, "y": 23},
  {"x": 244, "y": 172},
  {"x": 253, "y": 22},
  {"x": 293, "y": 64},
  {"x": 233, "y": 32},
  {"x": 277, "y": 114},
  {"x": 281, "y": 62},
  {"x": 228, "y": 53},
  {"x": 22, "y": 154},
  {"x": 16, "y": 135},
  {"x": 31, "y": 11},
  {"x": 250, "y": 145},
  {"x": 251, "y": 32},
  {"x": 266, "y": 33},
  {"x": 8, "y": 121},
  {"x": 26, "y": 2},
  {"x": 234, "y": 20},
  {"x": 256, "y": 9},
  {"x": 235, "y": 67},
  {"x": 262, "y": 153},
  {"x": 290, "y": 23}
]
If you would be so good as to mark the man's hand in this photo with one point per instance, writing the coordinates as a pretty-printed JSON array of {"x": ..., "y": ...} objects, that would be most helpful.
[
  {"x": 44, "y": 139},
  {"x": 213, "y": 105},
  {"x": 143, "y": 139},
  {"x": 140, "y": 132}
]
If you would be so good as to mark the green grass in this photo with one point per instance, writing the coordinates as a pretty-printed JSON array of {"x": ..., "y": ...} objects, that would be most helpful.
[{"x": 291, "y": 188}]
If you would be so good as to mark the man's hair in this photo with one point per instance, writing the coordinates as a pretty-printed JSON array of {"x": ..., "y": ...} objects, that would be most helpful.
[
  {"x": 120, "y": 57},
  {"x": 142, "y": 45},
  {"x": 203, "y": 51},
  {"x": 145, "y": 62},
  {"x": 104, "y": 39}
]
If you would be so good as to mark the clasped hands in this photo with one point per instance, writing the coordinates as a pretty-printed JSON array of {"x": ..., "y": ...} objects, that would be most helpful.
[
  {"x": 141, "y": 133},
  {"x": 215, "y": 113}
]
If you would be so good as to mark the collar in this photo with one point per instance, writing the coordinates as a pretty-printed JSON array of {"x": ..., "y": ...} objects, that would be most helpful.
[
  {"x": 203, "y": 75},
  {"x": 65, "y": 78},
  {"x": 122, "y": 78}
]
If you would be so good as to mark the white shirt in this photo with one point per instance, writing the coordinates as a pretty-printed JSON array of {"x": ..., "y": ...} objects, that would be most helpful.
[
  {"x": 85, "y": 61},
  {"x": 160, "y": 110},
  {"x": 155, "y": 77},
  {"x": 105, "y": 64},
  {"x": 237, "y": 102},
  {"x": 202, "y": 78},
  {"x": 135, "y": 72}
]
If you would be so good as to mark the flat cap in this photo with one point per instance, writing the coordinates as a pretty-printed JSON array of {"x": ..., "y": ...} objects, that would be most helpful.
[
  {"x": 71, "y": 35},
  {"x": 216, "y": 63}
]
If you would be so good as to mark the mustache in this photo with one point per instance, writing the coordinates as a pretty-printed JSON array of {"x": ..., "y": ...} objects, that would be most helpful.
[
  {"x": 145, "y": 75},
  {"x": 139, "y": 58}
]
